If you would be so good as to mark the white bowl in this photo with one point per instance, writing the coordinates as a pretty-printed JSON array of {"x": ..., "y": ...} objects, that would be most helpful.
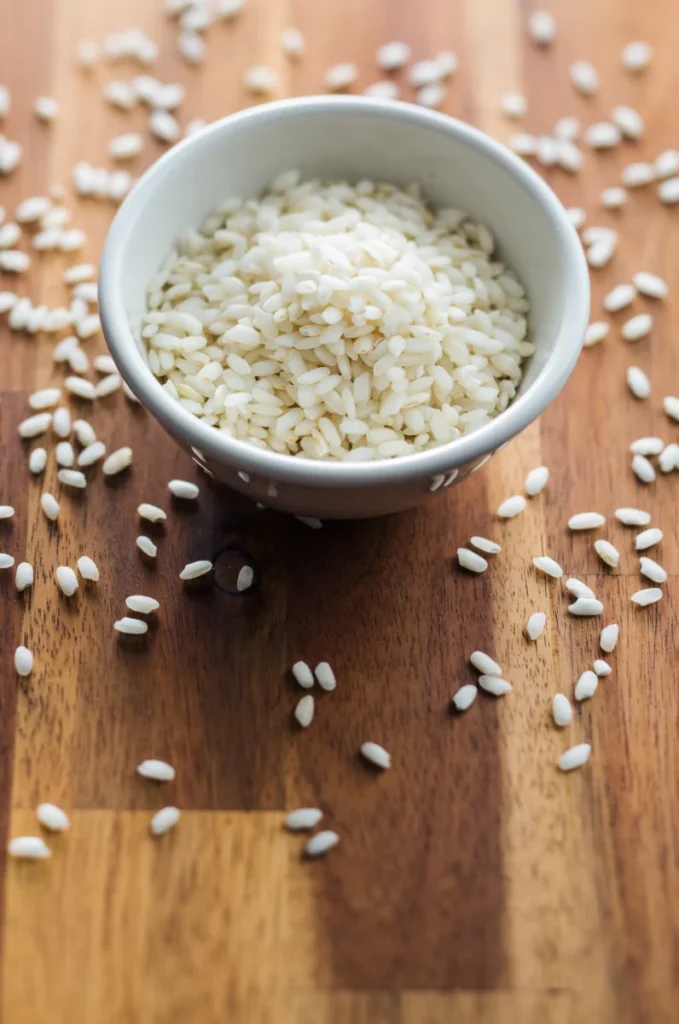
[{"x": 348, "y": 137}]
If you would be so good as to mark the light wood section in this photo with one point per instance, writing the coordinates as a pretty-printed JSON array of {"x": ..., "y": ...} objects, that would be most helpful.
[{"x": 473, "y": 883}]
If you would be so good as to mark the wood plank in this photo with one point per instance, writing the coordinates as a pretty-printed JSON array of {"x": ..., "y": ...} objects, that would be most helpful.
[{"x": 120, "y": 927}]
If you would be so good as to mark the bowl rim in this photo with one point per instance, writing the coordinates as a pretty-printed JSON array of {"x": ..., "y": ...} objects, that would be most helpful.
[{"x": 208, "y": 442}]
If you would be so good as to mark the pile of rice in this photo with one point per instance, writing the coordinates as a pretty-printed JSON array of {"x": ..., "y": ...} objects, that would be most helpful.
[{"x": 330, "y": 320}]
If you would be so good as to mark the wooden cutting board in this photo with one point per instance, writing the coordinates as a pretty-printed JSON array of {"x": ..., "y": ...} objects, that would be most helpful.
[{"x": 473, "y": 883}]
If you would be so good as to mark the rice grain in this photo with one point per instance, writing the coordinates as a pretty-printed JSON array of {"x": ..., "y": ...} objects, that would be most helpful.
[
  {"x": 633, "y": 516},
  {"x": 146, "y": 546},
  {"x": 117, "y": 461},
  {"x": 29, "y": 848},
  {"x": 646, "y": 597},
  {"x": 325, "y": 676},
  {"x": 52, "y": 817},
  {"x": 192, "y": 570},
  {"x": 512, "y": 507},
  {"x": 609, "y": 637},
  {"x": 159, "y": 771},
  {"x": 183, "y": 489},
  {"x": 648, "y": 538},
  {"x": 50, "y": 506},
  {"x": 151, "y": 513},
  {"x": 471, "y": 561},
  {"x": 586, "y": 521},
  {"x": 548, "y": 566},
  {"x": 88, "y": 568},
  {"x": 23, "y": 661},
  {"x": 134, "y": 627},
  {"x": 535, "y": 626},
  {"x": 489, "y": 547},
  {"x": 303, "y": 674},
  {"x": 303, "y": 819},
  {"x": 562, "y": 712},
  {"x": 164, "y": 820},
  {"x": 607, "y": 553},
  {"x": 576, "y": 757},
  {"x": 23, "y": 576},
  {"x": 484, "y": 664},
  {"x": 465, "y": 697},
  {"x": 493, "y": 684},
  {"x": 304, "y": 711},
  {"x": 319, "y": 844},
  {"x": 586, "y": 686},
  {"x": 374, "y": 753},
  {"x": 67, "y": 580},
  {"x": 142, "y": 604}
]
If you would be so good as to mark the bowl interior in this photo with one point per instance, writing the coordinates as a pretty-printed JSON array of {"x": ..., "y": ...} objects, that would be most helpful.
[{"x": 348, "y": 138}]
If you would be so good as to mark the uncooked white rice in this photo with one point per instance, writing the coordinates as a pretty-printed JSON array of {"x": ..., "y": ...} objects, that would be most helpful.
[
  {"x": 146, "y": 546},
  {"x": 493, "y": 684},
  {"x": 246, "y": 575},
  {"x": 602, "y": 668},
  {"x": 302, "y": 819},
  {"x": 183, "y": 489},
  {"x": 489, "y": 547},
  {"x": 485, "y": 664},
  {"x": 321, "y": 843},
  {"x": 471, "y": 560},
  {"x": 50, "y": 506},
  {"x": 6, "y": 561},
  {"x": 609, "y": 637},
  {"x": 52, "y": 817},
  {"x": 338, "y": 321},
  {"x": 325, "y": 676},
  {"x": 535, "y": 626},
  {"x": 607, "y": 553},
  {"x": 29, "y": 848},
  {"x": 151, "y": 512},
  {"x": 376, "y": 754},
  {"x": 562, "y": 712},
  {"x": 643, "y": 469},
  {"x": 536, "y": 480},
  {"x": 88, "y": 569},
  {"x": 465, "y": 697},
  {"x": 135, "y": 627},
  {"x": 651, "y": 569},
  {"x": 192, "y": 570},
  {"x": 23, "y": 661},
  {"x": 159, "y": 771},
  {"x": 586, "y": 686},
  {"x": 648, "y": 596},
  {"x": 24, "y": 576},
  {"x": 633, "y": 516},
  {"x": 117, "y": 461},
  {"x": 142, "y": 604},
  {"x": 586, "y": 521},
  {"x": 67, "y": 580},
  {"x": 72, "y": 478},
  {"x": 547, "y": 565},
  {"x": 164, "y": 820},
  {"x": 648, "y": 538},
  {"x": 512, "y": 506},
  {"x": 303, "y": 674},
  {"x": 576, "y": 757},
  {"x": 304, "y": 710}
]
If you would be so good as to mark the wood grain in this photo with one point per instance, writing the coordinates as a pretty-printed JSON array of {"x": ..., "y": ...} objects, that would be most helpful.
[{"x": 473, "y": 883}]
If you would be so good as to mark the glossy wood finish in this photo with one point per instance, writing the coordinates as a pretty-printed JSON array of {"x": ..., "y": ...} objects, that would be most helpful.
[{"x": 473, "y": 883}]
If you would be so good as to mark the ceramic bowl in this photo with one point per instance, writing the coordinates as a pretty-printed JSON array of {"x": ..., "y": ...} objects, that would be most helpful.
[{"x": 348, "y": 137}]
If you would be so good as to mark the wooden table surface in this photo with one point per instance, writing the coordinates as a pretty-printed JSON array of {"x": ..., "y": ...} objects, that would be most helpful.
[{"x": 474, "y": 882}]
